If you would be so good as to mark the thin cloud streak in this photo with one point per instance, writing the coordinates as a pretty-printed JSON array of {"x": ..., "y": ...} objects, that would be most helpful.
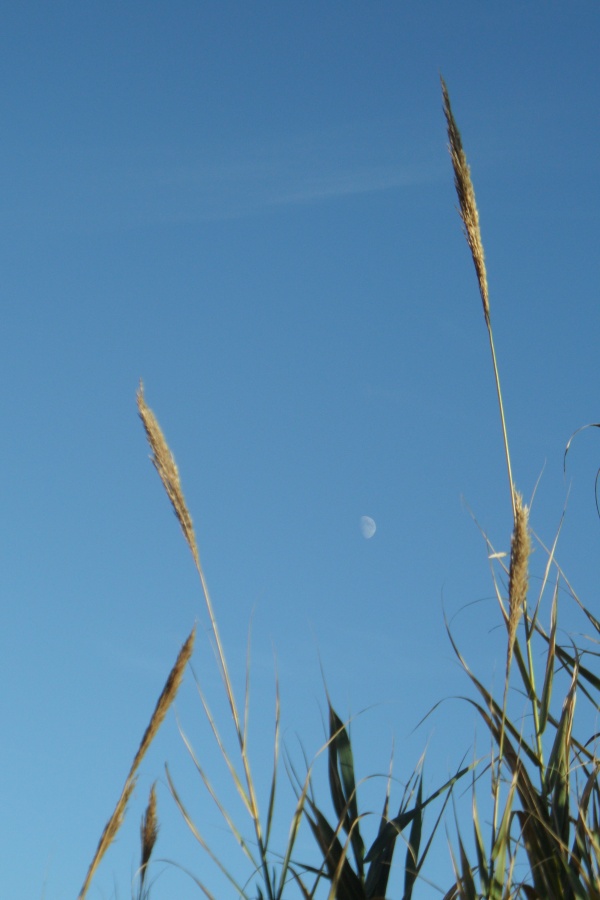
[
  {"x": 356, "y": 181},
  {"x": 114, "y": 189}
]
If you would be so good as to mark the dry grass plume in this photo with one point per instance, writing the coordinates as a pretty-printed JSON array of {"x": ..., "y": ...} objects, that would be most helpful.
[
  {"x": 164, "y": 463},
  {"x": 466, "y": 198},
  {"x": 148, "y": 835},
  {"x": 470, "y": 217},
  {"x": 518, "y": 577},
  {"x": 165, "y": 700}
]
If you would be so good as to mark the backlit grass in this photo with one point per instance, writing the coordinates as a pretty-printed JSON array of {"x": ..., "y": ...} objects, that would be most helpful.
[{"x": 539, "y": 836}]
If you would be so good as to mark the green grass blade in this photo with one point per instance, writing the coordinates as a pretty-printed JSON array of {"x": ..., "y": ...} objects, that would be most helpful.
[
  {"x": 591, "y": 790},
  {"x": 467, "y": 882},
  {"x": 342, "y": 785},
  {"x": 347, "y": 884},
  {"x": 294, "y": 826},
  {"x": 411, "y": 865},
  {"x": 482, "y": 862},
  {"x": 380, "y": 863},
  {"x": 550, "y": 665},
  {"x": 271, "y": 806},
  {"x": 500, "y": 882},
  {"x": 405, "y": 817},
  {"x": 558, "y": 774}
]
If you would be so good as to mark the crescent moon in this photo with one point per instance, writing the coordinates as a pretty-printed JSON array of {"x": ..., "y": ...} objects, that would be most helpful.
[{"x": 367, "y": 527}]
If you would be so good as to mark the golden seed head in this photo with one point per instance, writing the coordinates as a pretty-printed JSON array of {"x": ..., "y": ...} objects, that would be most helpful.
[
  {"x": 466, "y": 199},
  {"x": 164, "y": 463},
  {"x": 149, "y": 829},
  {"x": 518, "y": 577},
  {"x": 162, "y": 706}
]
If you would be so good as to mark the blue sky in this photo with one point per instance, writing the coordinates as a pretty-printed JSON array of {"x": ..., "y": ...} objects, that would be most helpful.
[{"x": 250, "y": 206}]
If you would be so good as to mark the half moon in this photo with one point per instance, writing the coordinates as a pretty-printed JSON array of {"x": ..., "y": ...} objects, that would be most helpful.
[{"x": 367, "y": 527}]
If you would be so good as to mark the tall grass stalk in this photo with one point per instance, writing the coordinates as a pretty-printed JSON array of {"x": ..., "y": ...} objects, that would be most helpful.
[
  {"x": 545, "y": 817},
  {"x": 543, "y": 841},
  {"x": 470, "y": 217},
  {"x": 165, "y": 465}
]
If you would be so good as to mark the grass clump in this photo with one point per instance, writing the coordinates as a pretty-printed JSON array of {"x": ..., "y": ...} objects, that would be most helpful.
[
  {"x": 271, "y": 871},
  {"x": 539, "y": 835},
  {"x": 543, "y": 838}
]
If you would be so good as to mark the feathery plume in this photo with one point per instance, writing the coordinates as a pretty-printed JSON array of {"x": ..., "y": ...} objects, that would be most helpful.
[
  {"x": 164, "y": 463},
  {"x": 166, "y": 698},
  {"x": 148, "y": 834},
  {"x": 466, "y": 199},
  {"x": 518, "y": 576},
  {"x": 162, "y": 706},
  {"x": 470, "y": 218}
]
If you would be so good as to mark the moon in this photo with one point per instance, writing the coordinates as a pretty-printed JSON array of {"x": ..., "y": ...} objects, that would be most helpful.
[{"x": 367, "y": 527}]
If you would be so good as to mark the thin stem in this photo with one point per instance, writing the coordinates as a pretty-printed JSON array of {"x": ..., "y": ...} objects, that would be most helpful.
[
  {"x": 502, "y": 417},
  {"x": 254, "y": 812}
]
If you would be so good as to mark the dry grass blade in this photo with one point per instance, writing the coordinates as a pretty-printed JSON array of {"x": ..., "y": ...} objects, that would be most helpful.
[
  {"x": 164, "y": 463},
  {"x": 190, "y": 823},
  {"x": 165, "y": 700},
  {"x": 293, "y": 833},
  {"x": 229, "y": 821},
  {"x": 518, "y": 578}
]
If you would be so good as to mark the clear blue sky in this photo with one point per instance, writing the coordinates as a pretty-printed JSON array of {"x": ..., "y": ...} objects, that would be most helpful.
[{"x": 250, "y": 206}]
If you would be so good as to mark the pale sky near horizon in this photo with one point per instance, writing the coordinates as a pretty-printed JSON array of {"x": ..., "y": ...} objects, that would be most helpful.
[{"x": 250, "y": 206}]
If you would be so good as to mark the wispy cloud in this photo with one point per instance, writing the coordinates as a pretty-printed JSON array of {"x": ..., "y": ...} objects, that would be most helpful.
[
  {"x": 304, "y": 170},
  {"x": 358, "y": 180},
  {"x": 129, "y": 187}
]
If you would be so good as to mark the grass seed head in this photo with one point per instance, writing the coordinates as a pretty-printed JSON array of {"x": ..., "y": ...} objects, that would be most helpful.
[
  {"x": 165, "y": 700},
  {"x": 466, "y": 200},
  {"x": 164, "y": 463},
  {"x": 148, "y": 834},
  {"x": 518, "y": 577},
  {"x": 108, "y": 835}
]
